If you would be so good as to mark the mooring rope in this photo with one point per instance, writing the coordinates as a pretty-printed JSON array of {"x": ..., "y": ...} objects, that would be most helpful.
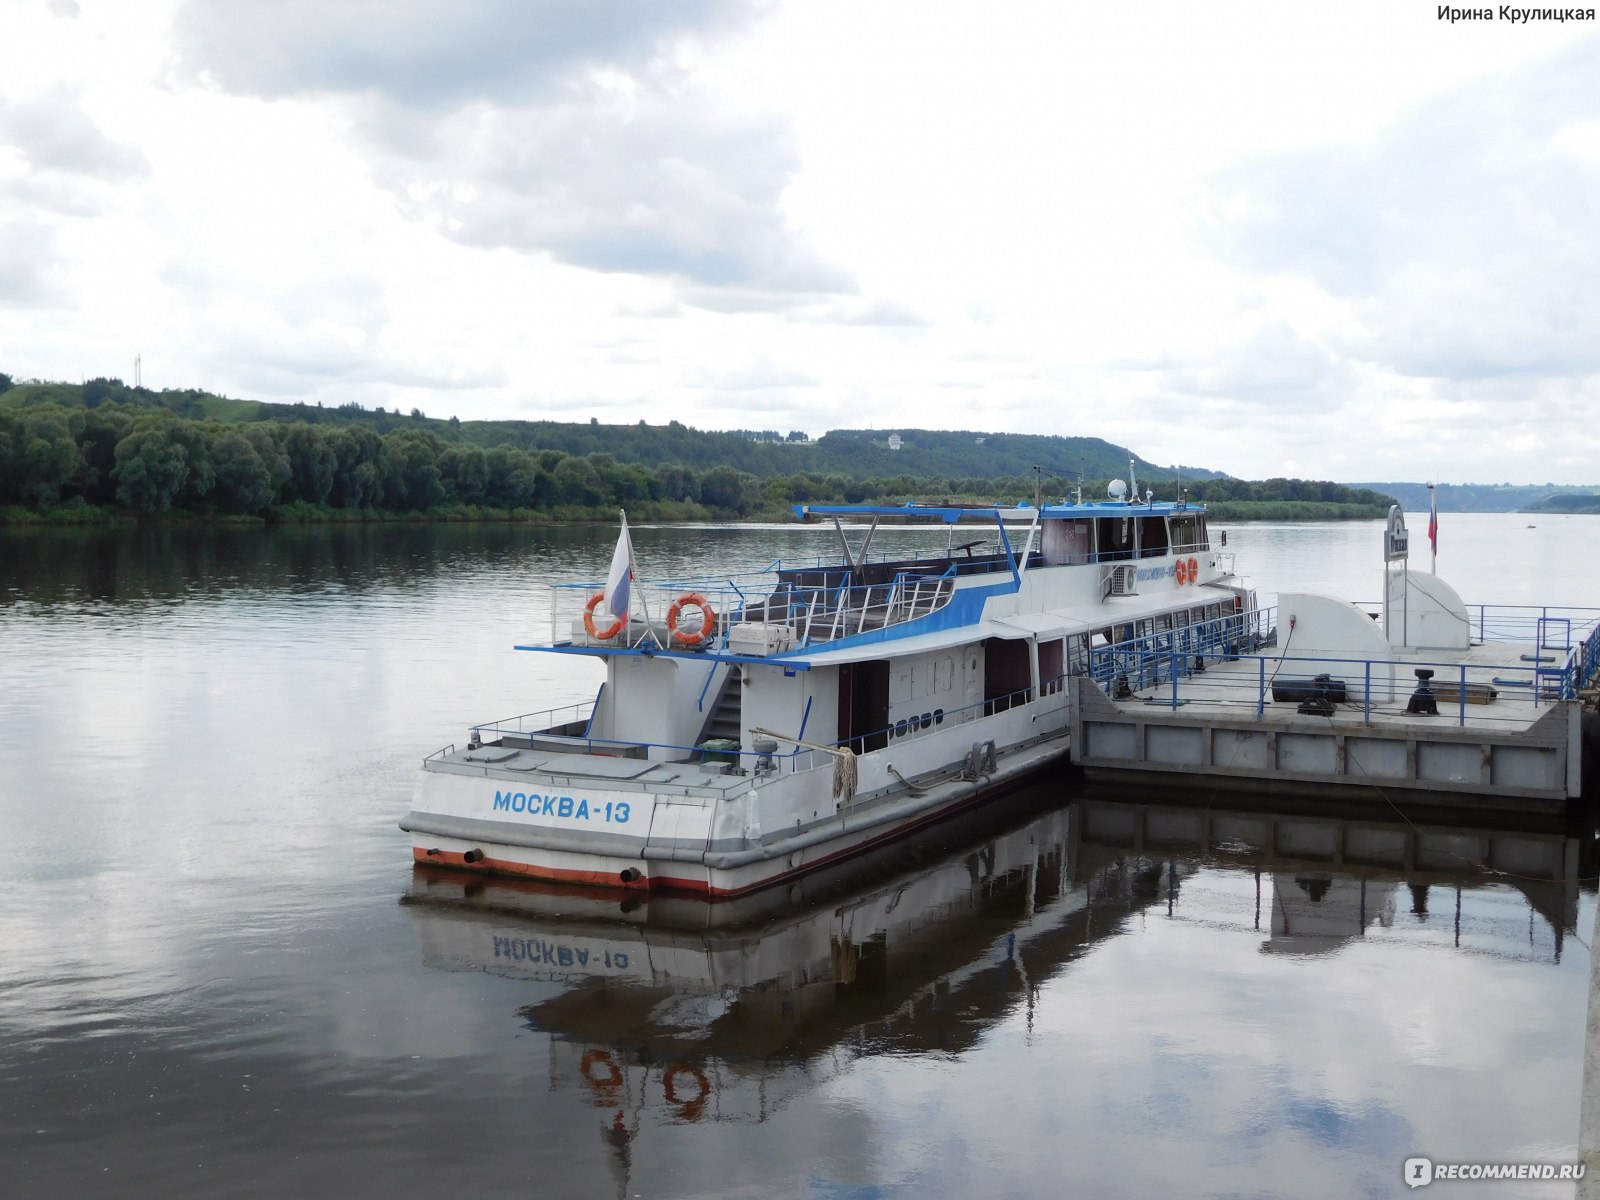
[{"x": 844, "y": 762}]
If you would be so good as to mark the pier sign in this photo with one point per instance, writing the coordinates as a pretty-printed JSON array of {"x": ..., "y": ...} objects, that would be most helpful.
[{"x": 1394, "y": 536}]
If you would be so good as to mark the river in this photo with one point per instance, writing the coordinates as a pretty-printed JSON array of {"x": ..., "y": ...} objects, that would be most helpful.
[{"x": 220, "y": 975}]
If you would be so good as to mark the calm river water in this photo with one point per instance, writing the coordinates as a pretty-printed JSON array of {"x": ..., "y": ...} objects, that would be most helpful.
[{"x": 220, "y": 975}]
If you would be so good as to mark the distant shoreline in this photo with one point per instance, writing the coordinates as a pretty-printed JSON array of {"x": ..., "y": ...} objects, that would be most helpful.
[{"x": 69, "y": 516}]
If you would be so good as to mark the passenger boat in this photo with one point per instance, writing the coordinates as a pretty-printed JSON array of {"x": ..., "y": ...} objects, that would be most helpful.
[{"x": 752, "y": 727}]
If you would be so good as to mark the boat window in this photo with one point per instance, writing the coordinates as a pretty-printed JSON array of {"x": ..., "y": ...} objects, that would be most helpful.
[
  {"x": 1152, "y": 536},
  {"x": 1164, "y": 622},
  {"x": 1067, "y": 542},
  {"x": 1114, "y": 537},
  {"x": 1143, "y": 628},
  {"x": 1187, "y": 531}
]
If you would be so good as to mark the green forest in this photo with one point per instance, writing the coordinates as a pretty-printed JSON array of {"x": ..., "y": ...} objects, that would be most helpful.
[{"x": 104, "y": 451}]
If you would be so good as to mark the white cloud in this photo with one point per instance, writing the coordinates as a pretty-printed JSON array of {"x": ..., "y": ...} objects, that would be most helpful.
[{"x": 1232, "y": 236}]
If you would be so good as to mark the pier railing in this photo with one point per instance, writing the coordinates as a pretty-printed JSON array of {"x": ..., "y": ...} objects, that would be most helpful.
[
  {"x": 1134, "y": 662},
  {"x": 1564, "y": 660}
]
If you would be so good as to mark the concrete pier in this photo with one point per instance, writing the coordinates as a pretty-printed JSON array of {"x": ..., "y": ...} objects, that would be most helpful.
[{"x": 1511, "y": 753}]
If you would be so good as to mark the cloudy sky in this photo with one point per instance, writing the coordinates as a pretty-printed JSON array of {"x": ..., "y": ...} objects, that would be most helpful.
[{"x": 1345, "y": 241}]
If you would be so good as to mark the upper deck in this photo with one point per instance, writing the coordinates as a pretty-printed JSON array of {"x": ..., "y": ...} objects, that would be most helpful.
[{"x": 791, "y": 606}]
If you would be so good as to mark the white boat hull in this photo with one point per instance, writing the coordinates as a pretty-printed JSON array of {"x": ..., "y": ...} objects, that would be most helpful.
[{"x": 715, "y": 835}]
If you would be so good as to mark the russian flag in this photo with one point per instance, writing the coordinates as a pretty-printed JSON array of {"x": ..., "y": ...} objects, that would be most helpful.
[{"x": 619, "y": 583}]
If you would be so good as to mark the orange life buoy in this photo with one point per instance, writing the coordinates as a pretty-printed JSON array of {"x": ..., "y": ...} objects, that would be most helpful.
[
  {"x": 701, "y": 1083},
  {"x": 1180, "y": 571},
  {"x": 708, "y": 619},
  {"x": 613, "y": 1076},
  {"x": 610, "y": 631},
  {"x": 1194, "y": 570}
]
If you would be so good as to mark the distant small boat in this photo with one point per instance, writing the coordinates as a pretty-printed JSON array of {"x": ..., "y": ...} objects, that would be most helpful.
[{"x": 1532, "y": 526}]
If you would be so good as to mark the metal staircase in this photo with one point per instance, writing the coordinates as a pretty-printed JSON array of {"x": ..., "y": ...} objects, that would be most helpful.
[{"x": 726, "y": 713}]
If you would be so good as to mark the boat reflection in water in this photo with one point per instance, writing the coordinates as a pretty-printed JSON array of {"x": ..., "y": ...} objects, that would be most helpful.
[{"x": 673, "y": 1009}]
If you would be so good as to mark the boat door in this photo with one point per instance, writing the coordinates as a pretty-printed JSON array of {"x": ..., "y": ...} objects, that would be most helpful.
[{"x": 864, "y": 705}]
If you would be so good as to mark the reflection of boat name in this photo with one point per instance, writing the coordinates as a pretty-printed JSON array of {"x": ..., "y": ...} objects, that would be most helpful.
[
  {"x": 557, "y": 954},
  {"x": 536, "y": 805}
]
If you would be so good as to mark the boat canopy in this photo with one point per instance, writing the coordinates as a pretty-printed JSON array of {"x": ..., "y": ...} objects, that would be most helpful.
[{"x": 950, "y": 514}]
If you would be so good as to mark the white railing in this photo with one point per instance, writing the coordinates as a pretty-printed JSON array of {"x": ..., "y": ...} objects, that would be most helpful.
[{"x": 675, "y": 614}]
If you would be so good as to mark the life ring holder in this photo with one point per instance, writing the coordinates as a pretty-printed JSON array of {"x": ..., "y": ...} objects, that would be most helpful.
[
  {"x": 1180, "y": 572},
  {"x": 610, "y": 631},
  {"x": 708, "y": 620},
  {"x": 702, "y": 1086},
  {"x": 613, "y": 1073}
]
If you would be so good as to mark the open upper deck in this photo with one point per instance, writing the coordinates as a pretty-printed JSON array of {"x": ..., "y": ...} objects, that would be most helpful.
[{"x": 791, "y": 605}]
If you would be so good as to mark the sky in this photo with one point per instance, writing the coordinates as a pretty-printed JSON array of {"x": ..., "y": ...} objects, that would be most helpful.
[{"x": 1354, "y": 242}]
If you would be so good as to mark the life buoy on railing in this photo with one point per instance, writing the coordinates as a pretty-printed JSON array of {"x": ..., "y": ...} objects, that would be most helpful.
[
  {"x": 612, "y": 1077},
  {"x": 1194, "y": 570},
  {"x": 701, "y": 1083},
  {"x": 1180, "y": 571},
  {"x": 610, "y": 631},
  {"x": 708, "y": 619}
]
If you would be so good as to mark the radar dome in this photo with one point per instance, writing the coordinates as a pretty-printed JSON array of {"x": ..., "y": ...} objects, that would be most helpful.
[{"x": 1116, "y": 489}]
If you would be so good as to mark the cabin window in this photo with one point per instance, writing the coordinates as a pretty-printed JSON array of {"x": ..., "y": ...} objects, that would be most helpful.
[
  {"x": 1188, "y": 531},
  {"x": 1163, "y": 622},
  {"x": 1114, "y": 537},
  {"x": 1067, "y": 542},
  {"x": 1152, "y": 536}
]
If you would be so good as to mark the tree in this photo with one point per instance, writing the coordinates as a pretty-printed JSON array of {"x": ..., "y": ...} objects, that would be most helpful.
[
  {"x": 465, "y": 473},
  {"x": 97, "y": 432},
  {"x": 150, "y": 470},
  {"x": 244, "y": 485},
  {"x": 45, "y": 457},
  {"x": 357, "y": 472},
  {"x": 266, "y": 441},
  {"x": 576, "y": 481},
  {"x": 311, "y": 463},
  {"x": 725, "y": 488},
  {"x": 677, "y": 482},
  {"x": 410, "y": 471}
]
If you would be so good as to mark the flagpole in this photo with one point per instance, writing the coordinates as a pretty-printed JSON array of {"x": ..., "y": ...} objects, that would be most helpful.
[
  {"x": 633, "y": 569},
  {"x": 1433, "y": 530}
]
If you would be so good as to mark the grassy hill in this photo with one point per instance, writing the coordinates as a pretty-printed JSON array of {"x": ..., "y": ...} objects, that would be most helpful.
[
  {"x": 1471, "y": 497},
  {"x": 853, "y": 453}
]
